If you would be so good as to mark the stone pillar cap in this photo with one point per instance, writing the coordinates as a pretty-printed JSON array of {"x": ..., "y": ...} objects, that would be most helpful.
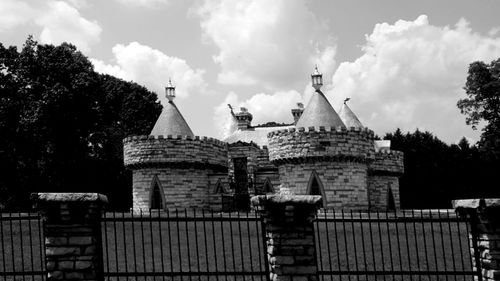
[
  {"x": 476, "y": 203},
  {"x": 286, "y": 199},
  {"x": 69, "y": 197}
]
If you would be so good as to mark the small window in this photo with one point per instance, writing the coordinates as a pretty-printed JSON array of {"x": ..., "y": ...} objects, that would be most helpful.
[
  {"x": 156, "y": 195},
  {"x": 268, "y": 186},
  {"x": 391, "y": 205},
  {"x": 315, "y": 187}
]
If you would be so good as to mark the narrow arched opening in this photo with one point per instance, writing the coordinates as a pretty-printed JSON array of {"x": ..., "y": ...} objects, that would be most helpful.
[
  {"x": 315, "y": 187},
  {"x": 268, "y": 186},
  {"x": 391, "y": 205},
  {"x": 156, "y": 200}
]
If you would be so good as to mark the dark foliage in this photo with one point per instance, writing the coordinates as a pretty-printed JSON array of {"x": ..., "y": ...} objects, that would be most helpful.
[
  {"x": 62, "y": 124},
  {"x": 436, "y": 173}
]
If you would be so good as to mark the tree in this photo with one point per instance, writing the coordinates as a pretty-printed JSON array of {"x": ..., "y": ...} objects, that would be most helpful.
[
  {"x": 62, "y": 124},
  {"x": 482, "y": 104}
]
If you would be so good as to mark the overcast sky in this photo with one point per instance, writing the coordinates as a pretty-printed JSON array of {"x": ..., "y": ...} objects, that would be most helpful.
[{"x": 402, "y": 63}]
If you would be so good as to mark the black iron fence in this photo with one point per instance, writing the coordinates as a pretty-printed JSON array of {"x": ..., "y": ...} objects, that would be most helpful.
[
  {"x": 404, "y": 245},
  {"x": 203, "y": 245},
  {"x": 184, "y": 245},
  {"x": 21, "y": 247}
]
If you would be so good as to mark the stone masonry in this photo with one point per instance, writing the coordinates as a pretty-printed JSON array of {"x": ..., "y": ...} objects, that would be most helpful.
[
  {"x": 484, "y": 215},
  {"x": 180, "y": 165},
  {"x": 72, "y": 230},
  {"x": 288, "y": 219}
]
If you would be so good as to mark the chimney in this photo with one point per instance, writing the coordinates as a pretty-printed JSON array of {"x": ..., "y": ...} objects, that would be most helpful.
[
  {"x": 297, "y": 112},
  {"x": 244, "y": 119}
]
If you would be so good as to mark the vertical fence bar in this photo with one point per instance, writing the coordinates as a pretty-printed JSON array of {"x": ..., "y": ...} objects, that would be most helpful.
[
  {"x": 205, "y": 239},
  {"x": 116, "y": 242},
  {"x": 442, "y": 243},
  {"x": 187, "y": 241},
  {"x": 179, "y": 252},
  {"x": 451, "y": 244},
  {"x": 407, "y": 238},
  {"x": 381, "y": 243},
  {"x": 330, "y": 264},
  {"x": 223, "y": 245},
  {"x": 160, "y": 231},
  {"x": 354, "y": 244},
  {"x": 215, "y": 246},
  {"x": 232, "y": 242},
  {"x": 4, "y": 261},
  {"x": 151, "y": 243},
  {"x": 363, "y": 244},
  {"x": 169, "y": 231},
  {"x": 250, "y": 244},
  {"x": 196, "y": 240}
]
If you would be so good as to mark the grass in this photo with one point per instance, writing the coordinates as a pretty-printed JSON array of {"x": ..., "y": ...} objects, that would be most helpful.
[{"x": 227, "y": 244}]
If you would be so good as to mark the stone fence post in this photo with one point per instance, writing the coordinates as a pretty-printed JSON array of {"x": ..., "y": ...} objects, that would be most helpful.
[
  {"x": 72, "y": 230},
  {"x": 288, "y": 221},
  {"x": 484, "y": 217}
]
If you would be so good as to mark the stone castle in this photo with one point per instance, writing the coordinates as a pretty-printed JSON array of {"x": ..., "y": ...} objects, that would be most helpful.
[{"x": 320, "y": 153}]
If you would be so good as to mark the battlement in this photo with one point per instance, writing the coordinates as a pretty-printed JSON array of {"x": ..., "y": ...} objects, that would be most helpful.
[
  {"x": 319, "y": 129},
  {"x": 158, "y": 151},
  {"x": 301, "y": 144},
  {"x": 388, "y": 162}
]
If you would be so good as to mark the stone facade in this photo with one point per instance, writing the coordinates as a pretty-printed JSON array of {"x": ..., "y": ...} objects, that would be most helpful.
[
  {"x": 177, "y": 169},
  {"x": 484, "y": 216},
  {"x": 72, "y": 230},
  {"x": 291, "y": 252}
]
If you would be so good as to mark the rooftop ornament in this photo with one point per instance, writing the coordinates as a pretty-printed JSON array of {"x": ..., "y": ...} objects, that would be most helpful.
[
  {"x": 170, "y": 91},
  {"x": 317, "y": 79}
]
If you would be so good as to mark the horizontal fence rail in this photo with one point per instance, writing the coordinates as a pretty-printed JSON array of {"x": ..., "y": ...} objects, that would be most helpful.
[
  {"x": 21, "y": 247},
  {"x": 183, "y": 245},
  {"x": 404, "y": 245}
]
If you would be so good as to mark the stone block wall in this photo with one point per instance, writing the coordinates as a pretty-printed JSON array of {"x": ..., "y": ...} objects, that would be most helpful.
[
  {"x": 155, "y": 151},
  {"x": 181, "y": 187},
  {"x": 72, "y": 231},
  {"x": 345, "y": 183},
  {"x": 388, "y": 162},
  {"x": 332, "y": 143},
  {"x": 378, "y": 192}
]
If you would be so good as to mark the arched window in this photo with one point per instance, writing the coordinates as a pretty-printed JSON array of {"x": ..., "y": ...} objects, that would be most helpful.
[
  {"x": 391, "y": 205},
  {"x": 268, "y": 186},
  {"x": 156, "y": 195},
  {"x": 219, "y": 187},
  {"x": 315, "y": 187}
]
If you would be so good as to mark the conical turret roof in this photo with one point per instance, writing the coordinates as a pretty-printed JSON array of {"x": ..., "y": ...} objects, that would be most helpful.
[
  {"x": 171, "y": 122},
  {"x": 319, "y": 112},
  {"x": 349, "y": 118}
]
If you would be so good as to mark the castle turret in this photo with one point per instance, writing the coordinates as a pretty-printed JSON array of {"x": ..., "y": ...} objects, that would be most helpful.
[
  {"x": 172, "y": 168},
  {"x": 244, "y": 119},
  {"x": 323, "y": 157},
  {"x": 297, "y": 112}
]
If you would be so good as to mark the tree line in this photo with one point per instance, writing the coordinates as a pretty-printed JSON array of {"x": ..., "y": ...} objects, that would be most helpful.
[{"x": 62, "y": 125}]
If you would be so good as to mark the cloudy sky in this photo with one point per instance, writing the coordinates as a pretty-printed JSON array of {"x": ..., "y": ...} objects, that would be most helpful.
[{"x": 402, "y": 63}]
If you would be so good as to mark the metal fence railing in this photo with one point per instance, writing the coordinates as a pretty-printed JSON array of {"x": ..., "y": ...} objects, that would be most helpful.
[
  {"x": 182, "y": 245},
  {"x": 22, "y": 255},
  {"x": 404, "y": 245}
]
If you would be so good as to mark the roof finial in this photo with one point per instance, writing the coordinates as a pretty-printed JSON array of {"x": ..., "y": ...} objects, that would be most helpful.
[
  {"x": 170, "y": 90},
  {"x": 346, "y": 100},
  {"x": 317, "y": 79}
]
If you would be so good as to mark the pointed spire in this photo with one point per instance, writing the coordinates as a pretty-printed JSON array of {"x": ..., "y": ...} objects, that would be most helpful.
[
  {"x": 348, "y": 117},
  {"x": 171, "y": 121},
  {"x": 319, "y": 112}
]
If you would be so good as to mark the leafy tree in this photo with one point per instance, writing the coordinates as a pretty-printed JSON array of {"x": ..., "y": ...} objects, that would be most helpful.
[
  {"x": 62, "y": 123},
  {"x": 482, "y": 104}
]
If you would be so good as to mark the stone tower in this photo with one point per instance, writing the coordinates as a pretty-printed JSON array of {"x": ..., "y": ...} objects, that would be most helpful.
[
  {"x": 172, "y": 168},
  {"x": 323, "y": 156}
]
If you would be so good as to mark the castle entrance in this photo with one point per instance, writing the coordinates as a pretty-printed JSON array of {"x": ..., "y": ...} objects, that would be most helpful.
[{"x": 241, "y": 196}]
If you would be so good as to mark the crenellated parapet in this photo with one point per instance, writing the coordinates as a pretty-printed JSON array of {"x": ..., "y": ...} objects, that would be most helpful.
[
  {"x": 319, "y": 143},
  {"x": 177, "y": 151},
  {"x": 388, "y": 162}
]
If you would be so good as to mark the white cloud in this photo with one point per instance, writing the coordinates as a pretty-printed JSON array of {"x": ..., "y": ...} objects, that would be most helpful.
[
  {"x": 14, "y": 13},
  {"x": 411, "y": 75},
  {"x": 143, "y": 3},
  {"x": 270, "y": 43},
  {"x": 63, "y": 23},
  {"x": 153, "y": 68},
  {"x": 60, "y": 21},
  {"x": 265, "y": 108}
]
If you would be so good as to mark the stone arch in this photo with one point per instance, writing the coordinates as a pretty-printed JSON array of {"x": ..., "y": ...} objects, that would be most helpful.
[
  {"x": 219, "y": 187},
  {"x": 315, "y": 187},
  {"x": 268, "y": 186},
  {"x": 391, "y": 204},
  {"x": 156, "y": 195}
]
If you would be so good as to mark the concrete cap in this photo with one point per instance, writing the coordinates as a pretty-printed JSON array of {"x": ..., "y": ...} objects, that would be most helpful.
[
  {"x": 476, "y": 203},
  {"x": 69, "y": 197},
  {"x": 260, "y": 200}
]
